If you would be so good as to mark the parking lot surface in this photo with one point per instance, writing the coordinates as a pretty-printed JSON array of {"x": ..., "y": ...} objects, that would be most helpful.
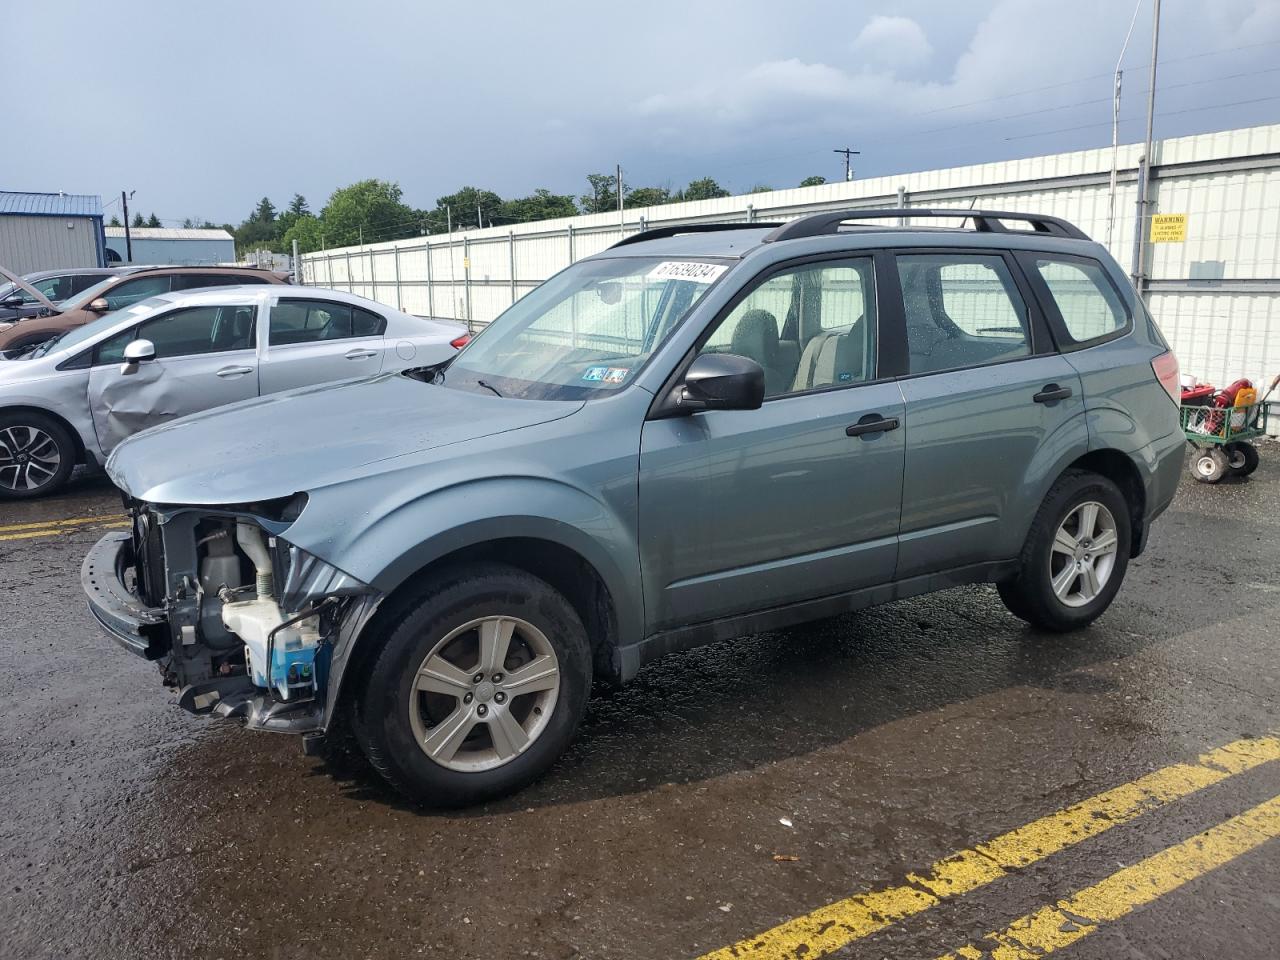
[{"x": 924, "y": 779}]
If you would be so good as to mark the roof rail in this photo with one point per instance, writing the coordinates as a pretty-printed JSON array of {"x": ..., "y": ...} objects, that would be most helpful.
[
  {"x": 984, "y": 221},
  {"x": 657, "y": 233}
]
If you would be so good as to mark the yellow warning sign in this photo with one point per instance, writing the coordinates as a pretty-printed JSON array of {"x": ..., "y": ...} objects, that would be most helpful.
[
  {"x": 1169, "y": 228},
  {"x": 466, "y": 263}
]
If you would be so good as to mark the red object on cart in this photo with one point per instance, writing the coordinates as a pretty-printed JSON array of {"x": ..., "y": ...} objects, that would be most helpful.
[{"x": 1197, "y": 396}]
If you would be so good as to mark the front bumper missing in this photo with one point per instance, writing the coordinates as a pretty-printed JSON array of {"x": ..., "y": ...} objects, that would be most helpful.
[{"x": 140, "y": 629}]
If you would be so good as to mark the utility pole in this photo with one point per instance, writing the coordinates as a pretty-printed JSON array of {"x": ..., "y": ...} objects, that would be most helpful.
[
  {"x": 128, "y": 237},
  {"x": 1115, "y": 125},
  {"x": 848, "y": 164},
  {"x": 297, "y": 264},
  {"x": 1144, "y": 167},
  {"x": 619, "y": 179},
  {"x": 479, "y": 216}
]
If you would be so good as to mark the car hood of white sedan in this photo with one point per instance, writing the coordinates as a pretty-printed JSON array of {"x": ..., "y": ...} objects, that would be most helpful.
[{"x": 305, "y": 439}]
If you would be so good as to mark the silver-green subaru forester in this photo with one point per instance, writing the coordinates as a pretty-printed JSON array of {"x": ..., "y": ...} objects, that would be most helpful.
[{"x": 701, "y": 432}]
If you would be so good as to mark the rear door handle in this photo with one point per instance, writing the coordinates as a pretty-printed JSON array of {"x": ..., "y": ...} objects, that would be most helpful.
[
  {"x": 1052, "y": 392},
  {"x": 871, "y": 423},
  {"x": 226, "y": 372},
  {"x": 359, "y": 354}
]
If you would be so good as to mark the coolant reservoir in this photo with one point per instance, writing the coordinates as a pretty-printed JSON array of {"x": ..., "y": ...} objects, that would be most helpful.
[{"x": 289, "y": 668}]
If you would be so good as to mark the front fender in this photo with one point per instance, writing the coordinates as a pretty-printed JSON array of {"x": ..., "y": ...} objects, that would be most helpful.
[{"x": 391, "y": 550}]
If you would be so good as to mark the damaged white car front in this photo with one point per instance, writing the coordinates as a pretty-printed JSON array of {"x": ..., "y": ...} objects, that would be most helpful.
[{"x": 243, "y": 622}]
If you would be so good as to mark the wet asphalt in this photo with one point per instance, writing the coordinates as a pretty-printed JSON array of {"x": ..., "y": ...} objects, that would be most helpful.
[{"x": 888, "y": 739}]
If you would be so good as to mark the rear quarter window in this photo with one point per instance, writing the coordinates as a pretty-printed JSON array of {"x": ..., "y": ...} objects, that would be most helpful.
[{"x": 1089, "y": 304}]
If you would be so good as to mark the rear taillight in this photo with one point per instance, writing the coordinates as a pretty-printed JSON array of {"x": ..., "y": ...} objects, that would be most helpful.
[
  {"x": 1166, "y": 368},
  {"x": 459, "y": 342}
]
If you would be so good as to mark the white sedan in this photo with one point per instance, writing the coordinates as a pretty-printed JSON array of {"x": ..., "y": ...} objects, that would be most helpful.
[{"x": 73, "y": 399}]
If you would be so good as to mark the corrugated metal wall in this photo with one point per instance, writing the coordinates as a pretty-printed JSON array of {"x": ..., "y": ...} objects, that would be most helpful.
[
  {"x": 1216, "y": 294},
  {"x": 190, "y": 253},
  {"x": 28, "y": 244}
]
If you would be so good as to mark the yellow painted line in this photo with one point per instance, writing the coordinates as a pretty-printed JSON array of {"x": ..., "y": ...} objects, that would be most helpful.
[
  {"x": 1053, "y": 927},
  {"x": 838, "y": 924},
  {"x": 54, "y": 531},
  {"x": 71, "y": 522}
]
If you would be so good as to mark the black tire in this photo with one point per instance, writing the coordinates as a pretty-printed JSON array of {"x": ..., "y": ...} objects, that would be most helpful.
[
  {"x": 1030, "y": 595},
  {"x": 1242, "y": 458},
  {"x": 381, "y": 706},
  {"x": 1209, "y": 465},
  {"x": 23, "y": 455}
]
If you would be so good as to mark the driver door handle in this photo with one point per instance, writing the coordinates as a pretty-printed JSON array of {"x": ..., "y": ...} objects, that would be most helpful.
[
  {"x": 358, "y": 353},
  {"x": 871, "y": 423},
  {"x": 227, "y": 372},
  {"x": 1052, "y": 392}
]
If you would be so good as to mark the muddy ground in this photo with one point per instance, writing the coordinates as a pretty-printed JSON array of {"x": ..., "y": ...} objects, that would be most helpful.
[{"x": 888, "y": 739}]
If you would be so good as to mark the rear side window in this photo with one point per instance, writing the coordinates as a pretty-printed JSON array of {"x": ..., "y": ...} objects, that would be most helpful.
[
  {"x": 195, "y": 281},
  {"x": 1088, "y": 302},
  {"x": 313, "y": 321},
  {"x": 962, "y": 310}
]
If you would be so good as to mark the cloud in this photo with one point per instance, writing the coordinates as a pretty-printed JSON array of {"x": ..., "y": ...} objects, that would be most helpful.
[{"x": 894, "y": 43}]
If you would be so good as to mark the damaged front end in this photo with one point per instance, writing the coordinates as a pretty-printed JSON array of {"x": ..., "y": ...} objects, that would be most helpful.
[{"x": 243, "y": 622}]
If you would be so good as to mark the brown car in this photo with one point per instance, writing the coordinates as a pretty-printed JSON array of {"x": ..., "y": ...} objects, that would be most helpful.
[{"x": 117, "y": 292}]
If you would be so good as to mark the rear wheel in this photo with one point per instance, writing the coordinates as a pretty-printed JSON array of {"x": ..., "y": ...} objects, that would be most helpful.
[
  {"x": 1242, "y": 457},
  {"x": 37, "y": 455},
  {"x": 477, "y": 689},
  {"x": 1075, "y": 555},
  {"x": 1210, "y": 465}
]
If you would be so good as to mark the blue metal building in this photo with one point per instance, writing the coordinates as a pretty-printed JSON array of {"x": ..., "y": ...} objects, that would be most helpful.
[
  {"x": 44, "y": 231},
  {"x": 179, "y": 246}
]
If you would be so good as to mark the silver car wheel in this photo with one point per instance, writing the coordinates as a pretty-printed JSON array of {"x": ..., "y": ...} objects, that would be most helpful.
[
  {"x": 1083, "y": 554},
  {"x": 484, "y": 693},
  {"x": 29, "y": 458}
]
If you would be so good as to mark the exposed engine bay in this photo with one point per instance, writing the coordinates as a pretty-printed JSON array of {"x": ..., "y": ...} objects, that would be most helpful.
[{"x": 251, "y": 624}]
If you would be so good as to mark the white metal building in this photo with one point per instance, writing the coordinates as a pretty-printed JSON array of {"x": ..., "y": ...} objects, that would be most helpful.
[
  {"x": 45, "y": 231},
  {"x": 1211, "y": 276},
  {"x": 178, "y": 246}
]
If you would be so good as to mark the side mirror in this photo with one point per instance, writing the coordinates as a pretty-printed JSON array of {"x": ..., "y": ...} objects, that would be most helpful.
[
  {"x": 720, "y": 381},
  {"x": 139, "y": 351},
  {"x": 100, "y": 305},
  {"x": 14, "y": 301}
]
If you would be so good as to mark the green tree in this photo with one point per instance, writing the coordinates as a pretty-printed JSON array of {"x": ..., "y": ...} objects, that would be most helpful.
[
  {"x": 542, "y": 204},
  {"x": 469, "y": 207},
  {"x": 647, "y": 197},
  {"x": 604, "y": 193},
  {"x": 761, "y": 188},
  {"x": 814, "y": 181},
  {"x": 298, "y": 205},
  {"x": 153, "y": 221},
  {"x": 138, "y": 221},
  {"x": 115, "y": 222},
  {"x": 704, "y": 189},
  {"x": 371, "y": 209},
  {"x": 308, "y": 231},
  {"x": 264, "y": 212}
]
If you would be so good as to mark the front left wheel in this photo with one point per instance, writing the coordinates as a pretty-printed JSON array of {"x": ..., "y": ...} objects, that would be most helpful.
[
  {"x": 37, "y": 455},
  {"x": 477, "y": 689}
]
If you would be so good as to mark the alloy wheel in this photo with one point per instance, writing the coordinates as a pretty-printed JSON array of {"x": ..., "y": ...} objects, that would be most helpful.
[
  {"x": 484, "y": 693},
  {"x": 1083, "y": 554},
  {"x": 29, "y": 458}
]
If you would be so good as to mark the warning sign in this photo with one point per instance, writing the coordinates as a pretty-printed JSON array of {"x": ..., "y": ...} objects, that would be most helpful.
[{"x": 1169, "y": 228}]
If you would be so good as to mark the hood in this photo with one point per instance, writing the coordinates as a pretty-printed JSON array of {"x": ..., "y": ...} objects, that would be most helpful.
[{"x": 306, "y": 439}]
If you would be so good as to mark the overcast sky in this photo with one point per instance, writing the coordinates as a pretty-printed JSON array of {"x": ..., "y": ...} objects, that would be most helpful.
[{"x": 202, "y": 108}]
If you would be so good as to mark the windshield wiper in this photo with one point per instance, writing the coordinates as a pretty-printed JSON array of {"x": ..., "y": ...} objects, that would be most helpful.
[{"x": 490, "y": 386}]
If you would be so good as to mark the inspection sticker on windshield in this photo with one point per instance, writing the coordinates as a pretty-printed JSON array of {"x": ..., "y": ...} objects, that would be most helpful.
[
  {"x": 691, "y": 270},
  {"x": 595, "y": 373}
]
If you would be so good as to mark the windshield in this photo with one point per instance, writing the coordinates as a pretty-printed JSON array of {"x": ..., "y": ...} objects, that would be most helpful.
[
  {"x": 585, "y": 332},
  {"x": 108, "y": 321}
]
